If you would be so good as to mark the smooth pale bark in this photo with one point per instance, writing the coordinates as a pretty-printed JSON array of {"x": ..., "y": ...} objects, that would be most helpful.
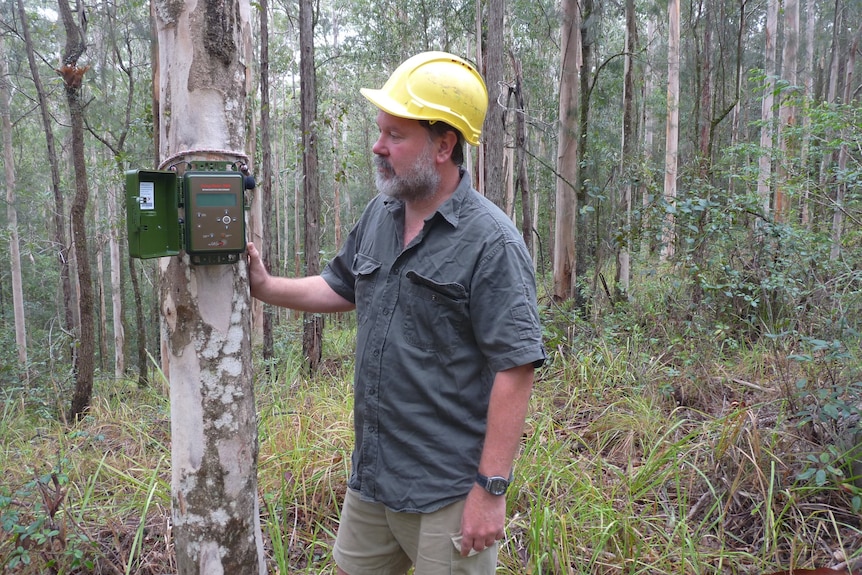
[
  {"x": 312, "y": 324},
  {"x": 671, "y": 157},
  {"x": 843, "y": 155},
  {"x": 764, "y": 175},
  {"x": 565, "y": 224},
  {"x": 649, "y": 123},
  {"x": 201, "y": 88},
  {"x": 102, "y": 316},
  {"x": 116, "y": 285},
  {"x": 737, "y": 109},
  {"x": 787, "y": 109},
  {"x": 832, "y": 90},
  {"x": 12, "y": 214},
  {"x": 627, "y": 154},
  {"x": 808, "y": 83}
]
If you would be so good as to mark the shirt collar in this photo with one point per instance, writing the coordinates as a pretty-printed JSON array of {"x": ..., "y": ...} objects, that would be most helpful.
[{"x": 450, "y": 210}]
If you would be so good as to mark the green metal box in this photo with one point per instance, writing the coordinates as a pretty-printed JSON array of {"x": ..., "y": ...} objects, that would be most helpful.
[{"x": 152, "y": 213}]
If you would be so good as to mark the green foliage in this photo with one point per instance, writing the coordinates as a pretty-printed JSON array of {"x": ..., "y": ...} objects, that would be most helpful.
[{"x": 33, "y": 525}]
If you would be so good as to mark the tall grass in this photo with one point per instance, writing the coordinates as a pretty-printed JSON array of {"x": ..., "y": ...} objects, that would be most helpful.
[{"x": 642, "y": 453}]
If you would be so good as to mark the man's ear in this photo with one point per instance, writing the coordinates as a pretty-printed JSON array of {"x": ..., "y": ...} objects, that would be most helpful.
[{"x": 446, "y": 143}]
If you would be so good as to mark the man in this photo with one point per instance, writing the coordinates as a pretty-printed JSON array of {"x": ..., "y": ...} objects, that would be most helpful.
[{"x": 448, "y": 336}]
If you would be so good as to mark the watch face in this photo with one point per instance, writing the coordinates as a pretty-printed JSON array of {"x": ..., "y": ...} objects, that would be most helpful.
[{"x": 497, "y": 486}]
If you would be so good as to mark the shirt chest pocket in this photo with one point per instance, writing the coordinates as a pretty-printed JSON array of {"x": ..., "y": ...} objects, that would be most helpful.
[
  {"x": 365, "y": 271},
  {"x": 436, "y": 316}
]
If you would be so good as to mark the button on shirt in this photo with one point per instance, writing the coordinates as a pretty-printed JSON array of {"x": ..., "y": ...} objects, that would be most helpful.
[{"x": 436, "y": 321}]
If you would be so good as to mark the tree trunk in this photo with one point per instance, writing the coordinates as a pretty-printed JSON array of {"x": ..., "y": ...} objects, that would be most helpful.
[
  {"x": 99, "y": 284},
  {"x": 312, "y": 333},
  {"x": 589, "y": 33},
  {"x": 672, "y": 129},
  {"x": 649, "y": 122},
  {"x": 832, "y": 90},
  {"x": 787, "y": 109},
  {"x": 72, "y": 75},
  {"x": 520, "y": 148},
  {"x": 116, "y": 286},
  {"x": 494, "y": 130},
  {"x": 267, "y": 245},
  {"x": 705, "y": 105},
  {"x": 764, "y": 176},
  {"x": 843, "y": 154},
  {"x": 808, "y": 82},
  {"x": 59, "y": 216},
  {"x": 12, "y": 216},
  {"x": 202, "y": 91},
  {"x": 627, "y": 159},
  {"x": 142, "y": 356},
  {"x": 565, "y": 226}
]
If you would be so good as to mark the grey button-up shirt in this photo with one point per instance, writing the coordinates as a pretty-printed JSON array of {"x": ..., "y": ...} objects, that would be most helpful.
[{"x": 436, "y": 321}]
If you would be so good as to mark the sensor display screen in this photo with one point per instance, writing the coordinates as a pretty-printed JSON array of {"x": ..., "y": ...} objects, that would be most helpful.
[{"x": 216, "y": 200}]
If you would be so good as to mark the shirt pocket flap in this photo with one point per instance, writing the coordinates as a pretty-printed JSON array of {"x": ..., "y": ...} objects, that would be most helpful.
[
  {"x": 453, "y": 291},
  {"x": 364, "y": 265}
]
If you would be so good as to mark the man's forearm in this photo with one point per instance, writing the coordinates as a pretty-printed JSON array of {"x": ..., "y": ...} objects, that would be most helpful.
[
  {"x": 311, "y": 294},
  {"x": 507, "y": 410}
]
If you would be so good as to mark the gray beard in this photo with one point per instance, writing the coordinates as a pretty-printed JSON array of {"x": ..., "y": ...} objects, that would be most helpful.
[{"x": 419, "y": 184}]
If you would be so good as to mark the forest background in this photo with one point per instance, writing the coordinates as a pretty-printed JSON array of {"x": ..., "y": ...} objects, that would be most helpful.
[{"x": 687, "y": 176}]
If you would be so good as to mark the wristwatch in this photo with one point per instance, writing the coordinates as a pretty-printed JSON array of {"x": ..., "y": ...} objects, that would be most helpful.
[{"x": 494, "y": 485}]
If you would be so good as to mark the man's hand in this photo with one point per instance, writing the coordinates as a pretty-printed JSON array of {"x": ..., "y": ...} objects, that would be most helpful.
[
  {"x": 483, "y": 521},
  {"x": 257, "y": 274},
  {"x": 310, "y": 293}
]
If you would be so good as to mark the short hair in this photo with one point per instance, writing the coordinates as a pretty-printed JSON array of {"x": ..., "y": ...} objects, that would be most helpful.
[{"x": 439, "y": 128}]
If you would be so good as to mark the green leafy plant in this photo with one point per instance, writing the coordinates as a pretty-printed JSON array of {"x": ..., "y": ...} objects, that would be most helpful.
[{"x": 33, "y": 525}]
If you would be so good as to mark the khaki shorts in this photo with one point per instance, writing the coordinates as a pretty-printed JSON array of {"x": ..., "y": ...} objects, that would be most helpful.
[{"x": 373, "y": 540}]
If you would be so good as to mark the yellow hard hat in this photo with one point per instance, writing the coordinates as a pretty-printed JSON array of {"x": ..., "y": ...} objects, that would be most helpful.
[{"x": 435, "y": 86}]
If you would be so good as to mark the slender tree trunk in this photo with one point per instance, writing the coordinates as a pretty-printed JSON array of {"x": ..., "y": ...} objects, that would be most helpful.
[
  {"x": 12, "y": 215},
  {"x": 99, "y": 283},
  {"x": 623, "y": 277},
  {"x": 738, "y": 107},
  {"x": 767, "y": 112},
  {"x": 521, "y": 162},
  {"x": 808, "y": 82},
  {"x": 142, "y": 356},
  {"x": 843, "y": 155},
  {"x": 787, "y": 109},
  {"x": 649, "y": 123},
  {"x": 267, "y": 245},
  {"x": 72, "y": 75},
  {"x": 832, "y": 90},
  {"x": 588, "y": 36},
  {"x": 116, "y": 285},
  {"x": 672, "y": 128},
  {"x": 59, "y": 214},
  {"x": 202, "y": 93},
  {"x": 312, "y": 337},
  {"x": 705, "y": 105},
  {"x": 494, "y": 129},
  {"x": 565, "y": 227}
]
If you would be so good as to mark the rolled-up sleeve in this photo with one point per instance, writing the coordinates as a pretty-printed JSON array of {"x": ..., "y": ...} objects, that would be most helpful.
[{"x": 503, "y": 308}]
